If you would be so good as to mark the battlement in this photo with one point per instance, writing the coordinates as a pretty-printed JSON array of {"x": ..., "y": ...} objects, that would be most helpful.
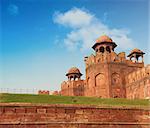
[
  {"x": 131, "y": 63},
  {"x": 45, "y": 92},
  {"x": 111, "y": 57}
]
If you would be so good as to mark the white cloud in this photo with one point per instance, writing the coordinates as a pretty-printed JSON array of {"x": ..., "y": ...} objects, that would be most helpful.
[
  {"x": 86, "y": 28},
  {"x": 73, "y": 18}
]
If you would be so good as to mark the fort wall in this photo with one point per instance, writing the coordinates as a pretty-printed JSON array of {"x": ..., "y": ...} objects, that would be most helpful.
[
  {"x": 108, "y": 79},
  {"x": 97, "y": 81},
  {"x": 72, "y": 88},
  {"x": 71, "y": 116},
  {"x": 138, "y": 83}
]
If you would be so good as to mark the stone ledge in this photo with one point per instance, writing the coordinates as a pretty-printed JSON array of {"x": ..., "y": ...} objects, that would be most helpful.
[
  {"x": 71, "y": 106},
  {"x": 89, "y": 123}
]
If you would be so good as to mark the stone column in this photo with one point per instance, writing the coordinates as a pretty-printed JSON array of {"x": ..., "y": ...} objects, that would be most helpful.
[{"x": 142, "y": 59}]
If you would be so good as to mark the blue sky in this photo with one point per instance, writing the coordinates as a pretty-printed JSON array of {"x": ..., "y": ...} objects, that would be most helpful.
[{"x": 42, "y": 39}]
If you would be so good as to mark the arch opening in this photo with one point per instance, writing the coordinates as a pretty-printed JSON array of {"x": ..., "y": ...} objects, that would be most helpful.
[
  {"x": 101, "y": 49},
  {"x": 108, "y": 49}
]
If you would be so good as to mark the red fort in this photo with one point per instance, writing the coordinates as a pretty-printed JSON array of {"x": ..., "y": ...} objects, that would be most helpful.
[{"x": 110, "y": 74}]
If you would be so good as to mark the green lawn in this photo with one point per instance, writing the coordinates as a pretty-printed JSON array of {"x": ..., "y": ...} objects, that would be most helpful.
[{"x": 30, "y": 98}]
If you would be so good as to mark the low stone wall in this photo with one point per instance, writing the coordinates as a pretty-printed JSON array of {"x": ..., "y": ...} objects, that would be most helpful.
[{"x": 71, "y": 116}]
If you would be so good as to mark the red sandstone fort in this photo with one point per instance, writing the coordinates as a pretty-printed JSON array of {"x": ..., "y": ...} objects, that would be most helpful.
[{"x": 110, "y": 75}]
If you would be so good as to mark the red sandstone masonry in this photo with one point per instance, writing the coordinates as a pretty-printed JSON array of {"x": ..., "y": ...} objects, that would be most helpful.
[
  {"x": 72, "y": 116},
  {"x": 109, "y": 74}
]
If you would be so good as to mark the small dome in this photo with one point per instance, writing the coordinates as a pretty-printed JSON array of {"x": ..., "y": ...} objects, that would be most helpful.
[
  {"x": 136, "y": 50},
  {"x": 104, "y": 38},
  {"x": 73, "y": 70}
]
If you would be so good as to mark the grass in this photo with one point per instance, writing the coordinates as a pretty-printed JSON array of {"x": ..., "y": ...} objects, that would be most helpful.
[{"x": 51, "y": 99}]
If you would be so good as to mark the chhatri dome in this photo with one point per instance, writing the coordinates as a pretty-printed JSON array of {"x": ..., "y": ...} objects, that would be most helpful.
[
  {"x": 104, "y": 40},
  {"x": 74, "y": 73},
  {"x": 73, "y": 70},
  {"x": 136, "y": 51}
]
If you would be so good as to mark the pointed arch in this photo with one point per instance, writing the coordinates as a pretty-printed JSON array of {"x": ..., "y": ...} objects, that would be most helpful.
[
  {"x": 99, "y": 79},
  {"x": 115, "y": 79},
  {"x": 100, "y": 85}
]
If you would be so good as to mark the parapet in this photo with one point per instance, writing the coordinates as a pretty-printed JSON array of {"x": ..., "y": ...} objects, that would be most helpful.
[{"x": 45, "y": 92}]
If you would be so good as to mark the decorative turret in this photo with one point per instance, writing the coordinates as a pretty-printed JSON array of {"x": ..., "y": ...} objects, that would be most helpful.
[
  {"x": 74, "y": 73},
  {"x": 136, "y": 53},
  {"x": 104, "y": 44}
]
